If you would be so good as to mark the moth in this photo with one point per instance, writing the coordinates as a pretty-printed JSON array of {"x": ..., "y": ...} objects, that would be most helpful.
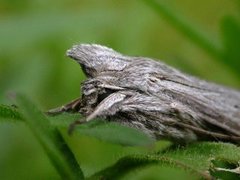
[{"x": 153, "y": 97}]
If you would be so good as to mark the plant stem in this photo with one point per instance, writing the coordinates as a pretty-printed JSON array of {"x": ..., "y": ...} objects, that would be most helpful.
[{"x": 51, "y": 140}]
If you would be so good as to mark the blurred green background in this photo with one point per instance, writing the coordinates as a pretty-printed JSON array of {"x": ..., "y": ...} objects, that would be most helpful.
[{"x": 34, "y": 36}]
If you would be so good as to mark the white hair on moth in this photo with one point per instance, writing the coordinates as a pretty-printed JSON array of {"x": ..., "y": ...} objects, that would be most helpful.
[
  {"x": 97, "y": 57},
  {"x": 93, "y": 50}
]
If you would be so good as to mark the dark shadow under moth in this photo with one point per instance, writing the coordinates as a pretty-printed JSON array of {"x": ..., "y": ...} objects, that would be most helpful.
[{"x": 151, "y": 96}]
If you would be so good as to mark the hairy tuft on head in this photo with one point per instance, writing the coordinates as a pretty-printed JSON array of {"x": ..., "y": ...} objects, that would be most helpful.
[{"x": 96, "y": 58}]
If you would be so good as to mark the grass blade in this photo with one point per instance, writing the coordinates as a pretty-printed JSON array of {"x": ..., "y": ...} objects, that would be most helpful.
[
  {"x": 231, "y": 40},
  {"x": 186, "y": 28},
  {"x": 51, "y": 140}
]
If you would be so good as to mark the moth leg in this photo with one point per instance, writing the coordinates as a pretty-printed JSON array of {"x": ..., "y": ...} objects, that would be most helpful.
[
  {"x": 73, "y": 106},
  {"x": 108, "y": 106},
  {"x": 74, "y": 124},
  {"x": 110, "y": 87}
]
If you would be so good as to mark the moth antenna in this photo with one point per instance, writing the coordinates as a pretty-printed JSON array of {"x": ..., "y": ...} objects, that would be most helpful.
[{"x": 72, "y": 106}]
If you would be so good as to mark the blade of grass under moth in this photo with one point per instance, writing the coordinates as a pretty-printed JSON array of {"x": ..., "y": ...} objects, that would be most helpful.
[{"x": 51, "y": 140}]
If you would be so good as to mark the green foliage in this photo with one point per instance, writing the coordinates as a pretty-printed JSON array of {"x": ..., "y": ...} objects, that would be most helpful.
[
  {"x": 230, "y": 53},
  {"x": 186, "y": 28},
  {"x": 34, "y": 36},
  {"x": 10, "y": 113},
  {"x": 108, "y": 132},
  {"x": 51, "y": 140},
  {"x": 198, "y": 159},
  {"x": 231, "y": 41},
  {"x": 130, "y": 163},
  {"x": 115, "y": 133},
  {"x": 195, "y": 158}
]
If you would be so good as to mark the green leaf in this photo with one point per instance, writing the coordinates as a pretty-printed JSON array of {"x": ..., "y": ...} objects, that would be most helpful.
[
  {"x": 225, "y": 170},
  {"x": 231, "y": 41},
  {"x": 51, "y": 140},
  {"x": 194, "y": 158},
  {"x": 200, "y": 155},
  {"x": 129, "y": 163},
  {"x": 12, "y": 114},
  {"x": 109, "y": 132},
  {"x": 114, "y": 133},
  {"x": 64, "y": 120},
  {"x": 9, "y": 113}
]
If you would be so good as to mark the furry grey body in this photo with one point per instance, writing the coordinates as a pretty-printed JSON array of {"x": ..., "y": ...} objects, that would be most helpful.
[{"x": 155, "y": 98}]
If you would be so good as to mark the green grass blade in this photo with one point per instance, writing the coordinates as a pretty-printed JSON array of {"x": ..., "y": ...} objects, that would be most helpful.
[
  {"x": 231, "y": 40},
  {"x": 186, "y": 28},
  {"x": 51, "y": 140},
  {"x": 108, "y": 132}
]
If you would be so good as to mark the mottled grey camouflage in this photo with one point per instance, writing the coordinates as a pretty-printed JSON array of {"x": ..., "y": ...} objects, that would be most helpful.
[{"x": 153, "y": 97}]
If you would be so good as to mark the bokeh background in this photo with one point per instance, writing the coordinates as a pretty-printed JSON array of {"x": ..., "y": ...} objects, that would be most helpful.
[{"x": 34, "y": 36}]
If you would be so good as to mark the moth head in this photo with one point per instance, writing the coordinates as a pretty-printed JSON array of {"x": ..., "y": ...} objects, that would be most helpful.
[{"x": 95, "y": 59}]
